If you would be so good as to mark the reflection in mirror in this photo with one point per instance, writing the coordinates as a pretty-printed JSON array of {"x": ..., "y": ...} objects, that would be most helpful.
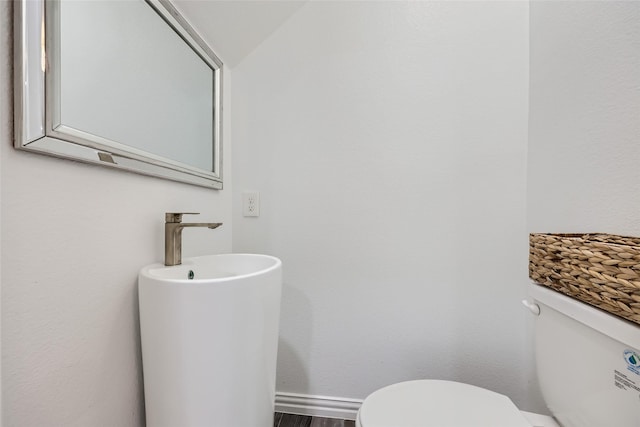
[
  {"x": 128, "y": 84},
  {"x": 172, "y": 86}
]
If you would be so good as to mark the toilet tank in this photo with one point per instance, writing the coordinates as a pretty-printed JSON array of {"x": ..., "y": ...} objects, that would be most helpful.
[{"x": 587, "y": 361}]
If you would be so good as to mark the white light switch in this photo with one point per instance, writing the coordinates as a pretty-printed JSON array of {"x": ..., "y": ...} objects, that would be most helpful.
[{"x": 251, "y": 204}]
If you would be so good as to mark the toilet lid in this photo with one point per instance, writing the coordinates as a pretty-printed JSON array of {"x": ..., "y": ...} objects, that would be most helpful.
[{"x": 440, "y": 404}]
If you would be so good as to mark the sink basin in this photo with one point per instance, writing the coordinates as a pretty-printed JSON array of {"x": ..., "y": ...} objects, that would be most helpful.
[
  {"x": 209, "y": 333},
  {"x": 212, "y": 267}
]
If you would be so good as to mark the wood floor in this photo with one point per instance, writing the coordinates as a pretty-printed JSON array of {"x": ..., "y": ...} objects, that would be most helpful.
[{"x": 291, "y": 420}]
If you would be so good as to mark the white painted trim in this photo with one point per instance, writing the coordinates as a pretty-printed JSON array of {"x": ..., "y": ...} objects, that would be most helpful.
[{"x": 318, "y": 406}]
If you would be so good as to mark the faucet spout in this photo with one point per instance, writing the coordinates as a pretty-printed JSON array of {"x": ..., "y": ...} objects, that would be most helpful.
[
  {"x": 210, "y": 225},
  {"x": 173, "y": 236}
]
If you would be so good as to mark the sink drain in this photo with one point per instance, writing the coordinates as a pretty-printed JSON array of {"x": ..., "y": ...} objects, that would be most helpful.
[{"x": 191, "y": 275}]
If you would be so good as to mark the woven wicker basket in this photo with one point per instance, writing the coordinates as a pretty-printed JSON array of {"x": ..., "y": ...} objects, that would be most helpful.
[{"x": 600, "y": 269}]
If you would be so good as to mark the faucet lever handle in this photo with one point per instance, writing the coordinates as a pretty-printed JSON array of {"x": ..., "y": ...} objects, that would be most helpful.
[{"x": 177, "y": 216}]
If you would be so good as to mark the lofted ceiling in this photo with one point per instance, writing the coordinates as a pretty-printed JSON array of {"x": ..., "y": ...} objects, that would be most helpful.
[{"x": 234, "y": 28}]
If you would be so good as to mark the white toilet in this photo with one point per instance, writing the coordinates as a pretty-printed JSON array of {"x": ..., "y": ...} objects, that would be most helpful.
[{"x": 588, "y": 367}]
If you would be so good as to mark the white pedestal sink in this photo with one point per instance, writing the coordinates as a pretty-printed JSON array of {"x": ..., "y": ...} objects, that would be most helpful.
[{"x": 209, "y": 343}]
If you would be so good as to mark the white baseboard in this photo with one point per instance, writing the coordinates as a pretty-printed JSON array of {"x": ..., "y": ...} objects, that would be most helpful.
[{"x": 317, "y": 406}]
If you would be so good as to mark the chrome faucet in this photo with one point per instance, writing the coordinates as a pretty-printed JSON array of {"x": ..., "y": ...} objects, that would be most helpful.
[{"x": 173, "y": 227}]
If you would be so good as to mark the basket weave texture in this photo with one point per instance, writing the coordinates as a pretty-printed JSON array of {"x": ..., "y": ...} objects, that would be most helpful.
[{"x": 600, "y": 269}]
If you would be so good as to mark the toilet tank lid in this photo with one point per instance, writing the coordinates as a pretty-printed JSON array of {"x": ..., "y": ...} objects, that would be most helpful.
[
  {"x": 439, "y": 403},
  {"x": 599, "y": 320}
]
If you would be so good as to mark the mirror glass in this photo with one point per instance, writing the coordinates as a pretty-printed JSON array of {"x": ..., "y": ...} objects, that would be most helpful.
[
  {"x": 127, "y": 84},
  {"x": 121, "y": 86}
]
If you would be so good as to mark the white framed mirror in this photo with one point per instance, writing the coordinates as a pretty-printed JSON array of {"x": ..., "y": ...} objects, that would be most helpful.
[{"x": 123, "y": 84}]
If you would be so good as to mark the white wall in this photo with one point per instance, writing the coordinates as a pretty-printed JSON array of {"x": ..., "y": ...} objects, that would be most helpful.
[
  {"x": 6, "y": 122},
  {"x": 388, "y": 143},
  {"x": 234, "y": 28},
  {"x": 73, "y": 239},
  {"x": 585, "y": 117}
]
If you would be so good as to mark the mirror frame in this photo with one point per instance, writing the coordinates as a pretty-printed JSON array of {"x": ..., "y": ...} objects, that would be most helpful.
[{"x": 37, "y": 127}]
